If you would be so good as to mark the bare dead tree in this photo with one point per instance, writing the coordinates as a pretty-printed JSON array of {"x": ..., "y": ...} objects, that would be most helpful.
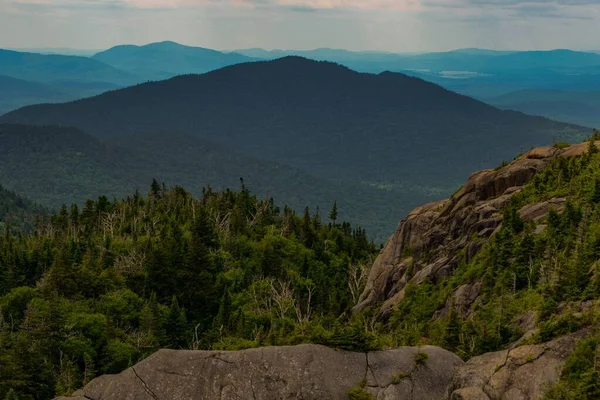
[
  {"x": 222, "y": 222},
  {"x": 131, "y": 263},
  {"x": 260, "y": 211},
  {"x": 283, "y": 297},
  {"x": 304, "y": 315},
  {"x": 109, "y": 222},
  {"x": 141, "y": 340},
  {"x": 195, "y": 342},
  {"x": 357, "y": 279},
  {"x": 530, "y": 273}
]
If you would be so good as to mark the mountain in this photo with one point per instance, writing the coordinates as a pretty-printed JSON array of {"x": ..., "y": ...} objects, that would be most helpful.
[
  {"x": 387, "y": 131},
  {"x": 167, "y": 59},
  {"x": 576, "y": 107},
  {"x": 50, "y": 68},
  {"x": 56, "y": 166},
  {"x": 474, "y": 60},
  {"x": 474, "y": 72}
]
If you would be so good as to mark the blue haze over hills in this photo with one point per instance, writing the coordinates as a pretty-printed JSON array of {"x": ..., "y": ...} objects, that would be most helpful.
[{"x": 509, "y": 80}]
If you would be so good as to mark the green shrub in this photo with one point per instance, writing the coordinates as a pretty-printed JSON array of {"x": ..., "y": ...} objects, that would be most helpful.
[
  {"x": 397, "y": 378},
  {"x": 579, "y": 379},
  {"x": 421, "y": 358},
  {"x": 360, "y": 393},
  {"x": 560, "y": 145},
  {"x": 503, "y": 164}
]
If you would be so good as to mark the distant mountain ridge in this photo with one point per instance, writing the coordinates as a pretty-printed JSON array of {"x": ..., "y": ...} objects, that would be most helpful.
[
  {"x": 51, "y": 68},
  {"x": 167, "y": 59},
  {"x": 16, "y": 93},
  {"x": 390, "y": 132},
  {"x": 479, "y": 73}
]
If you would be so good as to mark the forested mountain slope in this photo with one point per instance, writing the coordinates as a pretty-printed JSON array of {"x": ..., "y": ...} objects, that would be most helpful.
[
  {"x": 18, "y": 213},
  {"x": 386, "y": 130},
  {"x": 579, "y": 107},
  {"x": 99, "y": 287},
  {"x": 17, "y": 93},
  {"x": 56, "y": 166}
]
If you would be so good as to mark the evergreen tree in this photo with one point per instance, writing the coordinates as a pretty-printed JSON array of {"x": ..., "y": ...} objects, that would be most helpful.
[
  {"x": 333, "y": 214},
  {"x": 596, "y": 192},
  {"x": 176, "y": 325},
  {"x": 155, "y": 189}
]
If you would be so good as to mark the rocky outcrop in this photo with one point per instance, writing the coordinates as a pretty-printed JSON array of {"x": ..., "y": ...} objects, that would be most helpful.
[
  {"x": 427, "y": 242},
  {"x": 296, "y": 372},
  {"x": 522, "y": 373},
  {"x": 461, "y": 300},
  {"x": 307, "y": 372}
]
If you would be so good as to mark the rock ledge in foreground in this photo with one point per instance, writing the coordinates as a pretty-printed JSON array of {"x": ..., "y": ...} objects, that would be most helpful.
[{"x": 304, "y": 372}]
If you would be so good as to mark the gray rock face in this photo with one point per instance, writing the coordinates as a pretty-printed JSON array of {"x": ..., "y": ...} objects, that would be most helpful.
[
  {"x": 297, "y": 372},
  {"x": 428, "y": 240},
  {"x": 522, "y": 373},
  {"x": 462, "y": 300}
]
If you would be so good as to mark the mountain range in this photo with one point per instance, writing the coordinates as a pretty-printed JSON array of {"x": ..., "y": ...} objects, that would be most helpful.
[
  {"x": 480, "y": 73},
  {"x": 362, "y": 136}
]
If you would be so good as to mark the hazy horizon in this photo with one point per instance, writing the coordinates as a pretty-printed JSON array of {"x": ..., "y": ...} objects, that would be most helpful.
[
  {"x": 91, "y": 51},
  {"x": 381, "y": 25}
]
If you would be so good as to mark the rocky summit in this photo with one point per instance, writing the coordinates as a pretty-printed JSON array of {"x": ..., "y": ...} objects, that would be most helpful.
[{"x": 428, "y": 241}]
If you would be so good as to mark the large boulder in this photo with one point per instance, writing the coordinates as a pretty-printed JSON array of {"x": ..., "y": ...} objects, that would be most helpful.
[
  {"x": 522, "y": 373},
  {"x": 296, "y": 372},
  {"x": 427, "y": 242}
]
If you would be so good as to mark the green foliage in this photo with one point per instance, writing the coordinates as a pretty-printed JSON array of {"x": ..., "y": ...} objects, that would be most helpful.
[
  {"x": 397, "y": 378},
  {"x": 503, "y": 164},
  {"x": 94, "y": 291},
  {"x": 360, "y": 393},
  {"x": 579, "y": 378},
  {"x": 561, "y": 145},
  {"x": 17, "y": 213},
  {"x": 421, "y": 358}
]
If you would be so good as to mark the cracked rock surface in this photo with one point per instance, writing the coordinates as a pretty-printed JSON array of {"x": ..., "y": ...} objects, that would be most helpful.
[
  {"x": 296, "y": 372},
  {"x": 522, "y": 373}
]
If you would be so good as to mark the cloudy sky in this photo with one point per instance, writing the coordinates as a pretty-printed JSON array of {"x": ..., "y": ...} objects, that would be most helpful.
[{"x": 392, "y": 25}]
